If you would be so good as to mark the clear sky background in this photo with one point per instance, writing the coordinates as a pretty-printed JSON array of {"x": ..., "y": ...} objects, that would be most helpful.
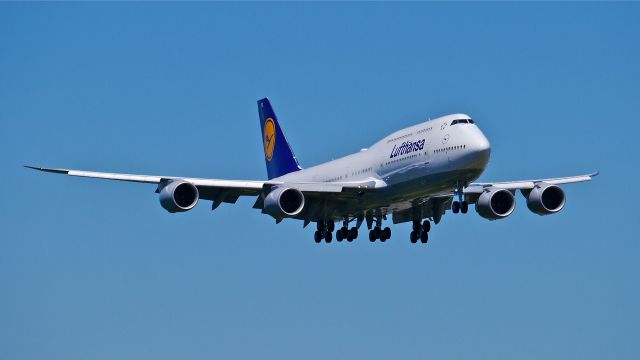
[{"x": 92, "y": 269}]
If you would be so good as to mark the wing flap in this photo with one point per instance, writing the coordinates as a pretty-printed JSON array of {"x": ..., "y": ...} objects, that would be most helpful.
[{"x": 327, "y": 187}]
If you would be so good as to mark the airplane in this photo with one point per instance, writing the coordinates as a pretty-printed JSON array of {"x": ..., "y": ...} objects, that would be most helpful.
[{"x": 414, "y": 175}]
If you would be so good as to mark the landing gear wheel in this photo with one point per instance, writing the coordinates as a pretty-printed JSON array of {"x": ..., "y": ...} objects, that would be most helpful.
[
  {"x": 414, "y": 237},
  {"x": 386, "y": 233},
  {"x": 377, "y": 232},
  {"x": 328, "y": 236},
  {"x": 416, "y": 225},
  {"x": 339, "y": 235},
  {"x": 455, "y": 207},
  {"x": 426, "y": 226},
  {"x": 424, "y": 237},
  {"x": 348, "y": 234},
  {"x": 464, "y": 207},
  {"x": 353, "y": 233},
  {"x": 330, "y": 226},
  {"x": 317, "y": 236},
  {"x": 372, "y": 235}
]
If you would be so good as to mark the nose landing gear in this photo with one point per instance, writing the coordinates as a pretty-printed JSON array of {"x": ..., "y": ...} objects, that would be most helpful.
[{"x": 461, "y": 205}]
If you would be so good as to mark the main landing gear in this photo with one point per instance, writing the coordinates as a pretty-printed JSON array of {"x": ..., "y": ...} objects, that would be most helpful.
[
  {"x": 420, "y": 231},
  {"x": 345, "y": 233},
  {"x": 379, "y": 233},
  {"x": 325, "y": 229}
]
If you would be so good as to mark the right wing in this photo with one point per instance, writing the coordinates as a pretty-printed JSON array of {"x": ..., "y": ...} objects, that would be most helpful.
[
  {"x": 153, "y": 179},
  {"x": 228, "y": 191},
  {"x": 210, "y": 189}
]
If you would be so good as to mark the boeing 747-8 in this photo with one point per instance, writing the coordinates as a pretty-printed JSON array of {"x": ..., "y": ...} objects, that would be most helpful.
[{"x": 413, "y": 175}]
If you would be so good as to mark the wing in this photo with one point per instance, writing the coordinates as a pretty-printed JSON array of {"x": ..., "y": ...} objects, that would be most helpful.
[
  {"x": 436, "y": 205},
  {"x": 228, "y": 191},
  {"x": 527, "y": 184}
]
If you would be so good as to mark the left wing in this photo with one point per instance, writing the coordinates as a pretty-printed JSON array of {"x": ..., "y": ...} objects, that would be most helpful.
[
  {"x": 476, "y": 188},
  {"x": 436, "y": 205}
]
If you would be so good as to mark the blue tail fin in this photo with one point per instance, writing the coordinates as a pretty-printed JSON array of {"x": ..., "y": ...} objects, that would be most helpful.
[{"x": 277, "y": 152}]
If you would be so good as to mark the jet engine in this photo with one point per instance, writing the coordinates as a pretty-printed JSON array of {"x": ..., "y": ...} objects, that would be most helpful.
[
  {"x": 545, "y": 199},
  {"x": 283, "y": 202},
  {"x": 179, "y": 196},
  {"x": 495, "y": 204}
]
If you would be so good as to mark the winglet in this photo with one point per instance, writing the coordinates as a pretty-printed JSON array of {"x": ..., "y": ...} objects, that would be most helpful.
[{"x": 51, "y": 170}]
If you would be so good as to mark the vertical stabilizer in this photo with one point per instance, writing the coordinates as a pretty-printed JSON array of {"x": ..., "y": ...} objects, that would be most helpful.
[{"x": 277, "y": 152}]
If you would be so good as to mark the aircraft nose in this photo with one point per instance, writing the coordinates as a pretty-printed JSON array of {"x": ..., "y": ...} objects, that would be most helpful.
[{"x": 481, "y": 151}]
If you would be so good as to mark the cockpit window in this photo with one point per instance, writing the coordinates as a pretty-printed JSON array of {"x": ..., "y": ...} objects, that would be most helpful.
[{"x": 462, "y": 121}]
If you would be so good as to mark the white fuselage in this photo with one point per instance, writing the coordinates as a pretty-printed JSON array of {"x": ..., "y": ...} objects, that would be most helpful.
[{"x": 422, "y": 160}]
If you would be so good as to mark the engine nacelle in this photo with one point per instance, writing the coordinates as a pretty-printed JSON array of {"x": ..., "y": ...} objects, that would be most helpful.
[
  {"x": 545, "y": 199},
  {"x": 179, "y": 196},
  {"x": 495, "y": 204},
  {"x": 283, "y": 202}
]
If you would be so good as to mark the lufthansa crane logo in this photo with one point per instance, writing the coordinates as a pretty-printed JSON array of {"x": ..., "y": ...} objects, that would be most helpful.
[{"x": 269, "y": 138}]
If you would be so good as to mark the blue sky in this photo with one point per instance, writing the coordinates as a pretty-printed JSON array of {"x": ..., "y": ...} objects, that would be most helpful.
[{"x": 97, "y": 269}]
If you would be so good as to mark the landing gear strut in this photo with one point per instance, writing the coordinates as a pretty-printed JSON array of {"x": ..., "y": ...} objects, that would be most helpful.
[
  {"x": 378, "y": 232},
  {"x": 324, "y": 231},
  {"x": 345, "y": 233},
  {"x": 461, "y": 205},
  {"x": 420, "y": 232}
]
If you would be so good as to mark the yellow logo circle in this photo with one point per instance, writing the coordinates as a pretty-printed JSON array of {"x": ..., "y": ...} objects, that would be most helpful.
[{"x": 269, "y": 138}]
